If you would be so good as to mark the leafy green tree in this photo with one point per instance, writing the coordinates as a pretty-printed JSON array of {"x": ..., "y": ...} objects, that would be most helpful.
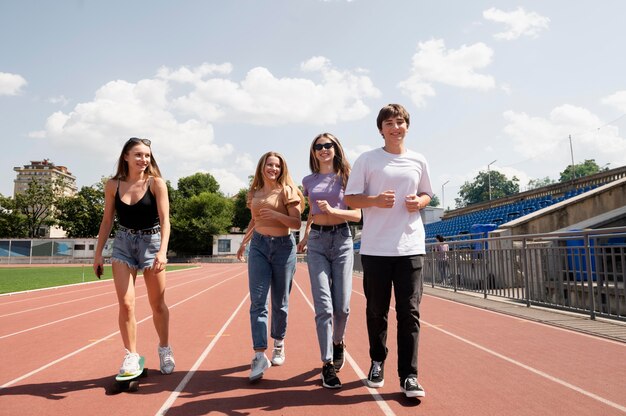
[
  {"x": 540, "y": 183},
  {"x": 12, "y": 222},
  {"x": 241, "y": 213},
  {"x": 80, "y": 215},
  {"x": 37, "y": 204},
  {"x": 588, "y": 167},
  {"x": 196, "y": 184},
  {"x": 478, "y": 191},
  {"x": 434, "y": 201},
  {"x": 197, "y": 220}
]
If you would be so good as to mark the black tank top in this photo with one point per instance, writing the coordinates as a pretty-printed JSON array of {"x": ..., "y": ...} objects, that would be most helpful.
[{"x": 140, "y": 215}]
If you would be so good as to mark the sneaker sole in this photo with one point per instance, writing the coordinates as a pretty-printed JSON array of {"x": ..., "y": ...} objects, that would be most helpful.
[
  {"x": 337, "y": 369},
  {"x": 413, "y": 393},
  {"x": 278, "y": 363},
  {"x": 328, "y": 386},
  {"x": 375, "y": 385}
]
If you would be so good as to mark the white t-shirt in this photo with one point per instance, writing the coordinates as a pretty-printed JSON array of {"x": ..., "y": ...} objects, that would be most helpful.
[{"x": 391, "y": 231}]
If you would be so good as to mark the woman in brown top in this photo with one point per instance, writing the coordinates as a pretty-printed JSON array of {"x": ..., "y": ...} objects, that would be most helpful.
[{"x": 276, "y": 204}]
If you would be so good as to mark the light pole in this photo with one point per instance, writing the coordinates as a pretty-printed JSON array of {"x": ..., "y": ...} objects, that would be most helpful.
[
  {"x": 443, "y": 196},
  {"x": 489, "y": 176}
]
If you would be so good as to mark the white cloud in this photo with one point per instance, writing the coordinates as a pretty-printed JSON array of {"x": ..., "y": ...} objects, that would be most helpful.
[
  {"x": 617, "y": 100},
  {"x": 519, "y": 23},
  {"x": 229, "y": 182},
  {"x": 11, "y": 84},
  {"x": 264, "y": 99},
  {"x": 433, "y": 63},
  {"x": 59, "y": 100},
  {"x": 543, "y": 138},
  {"x": 352, "y": 153},
  {"x": 180, "y": 124}
]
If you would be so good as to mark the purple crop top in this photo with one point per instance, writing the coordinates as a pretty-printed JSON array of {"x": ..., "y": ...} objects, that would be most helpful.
[{"x": 326, "y": 186}]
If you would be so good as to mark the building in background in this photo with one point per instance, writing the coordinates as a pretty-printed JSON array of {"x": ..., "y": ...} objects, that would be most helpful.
[{"x": 45, "y": 172}]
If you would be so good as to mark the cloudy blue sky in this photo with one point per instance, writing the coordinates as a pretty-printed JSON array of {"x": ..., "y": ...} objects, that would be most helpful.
[{"x": 215, "y": 84}]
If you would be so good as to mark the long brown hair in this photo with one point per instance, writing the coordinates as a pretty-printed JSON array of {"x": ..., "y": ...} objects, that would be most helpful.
[
  {"x": 122, "y": 165},
  {"x": 283, "y": 179},
  {"x": 341, "y": 166}
]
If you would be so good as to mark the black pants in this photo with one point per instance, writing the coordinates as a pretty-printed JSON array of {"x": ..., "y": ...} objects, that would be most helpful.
[{"x": 405, "y": 275}]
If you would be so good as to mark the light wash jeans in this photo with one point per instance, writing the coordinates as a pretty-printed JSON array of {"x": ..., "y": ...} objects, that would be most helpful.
[
  {"x": 271, "y": 265},
  {"x": 330, "y": 259}
]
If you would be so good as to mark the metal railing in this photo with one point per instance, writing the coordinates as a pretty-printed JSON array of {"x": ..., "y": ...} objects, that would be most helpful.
[{"x": 580, "y": 271}]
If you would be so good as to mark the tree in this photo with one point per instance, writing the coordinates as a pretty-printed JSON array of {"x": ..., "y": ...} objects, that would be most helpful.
[
  {"x": 588, "y": 167},
  {"x": 196, "y": 184},
  {"x": 12, "y": 222},
  {"x": 434, "y": 201},
  {"x": 197, "y": 220},
  {"x": 80, "y": 215},
  {"x": 241, "y": 213},
  {"x": 478, "y": 191},
  {"x": 37, "y": 204},
  {"x": 540, "y": 183}
]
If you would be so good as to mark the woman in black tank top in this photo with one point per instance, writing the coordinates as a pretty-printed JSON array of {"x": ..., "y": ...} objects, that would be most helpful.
[{"x": 137, "y": 195}]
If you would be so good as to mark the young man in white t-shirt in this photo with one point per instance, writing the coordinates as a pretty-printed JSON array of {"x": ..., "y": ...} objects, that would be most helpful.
[{"x": 391, "y": 185}]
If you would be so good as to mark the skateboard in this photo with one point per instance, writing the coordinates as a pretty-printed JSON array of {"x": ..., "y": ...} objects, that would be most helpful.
[{"x": 129, "y": 383}]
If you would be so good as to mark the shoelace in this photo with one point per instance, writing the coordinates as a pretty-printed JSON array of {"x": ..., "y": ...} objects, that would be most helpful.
[
  {"x": 376, "y": 368},
  {"x": 410, "y": 384},
  {"x": 128, "y": 359},
  {"x": 166, "y": 354}
]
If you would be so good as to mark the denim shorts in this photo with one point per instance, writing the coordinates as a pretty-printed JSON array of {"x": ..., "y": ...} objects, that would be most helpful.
[{"x": 136, "y": 250}]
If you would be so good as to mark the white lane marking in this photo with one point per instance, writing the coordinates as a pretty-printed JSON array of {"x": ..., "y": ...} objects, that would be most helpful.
[
  {"x": 50, "y": 364},
  {"x": 522, "y": 365},
  {"x": 192, "y": 371},
  {"x": 377, "y": 397},
  {"x": 88, "y": 312}
]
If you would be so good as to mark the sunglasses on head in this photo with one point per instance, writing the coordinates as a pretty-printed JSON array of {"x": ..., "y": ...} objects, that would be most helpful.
[
  {"x": 147, "y": 142},
  {"x": 319, "y": 146}
]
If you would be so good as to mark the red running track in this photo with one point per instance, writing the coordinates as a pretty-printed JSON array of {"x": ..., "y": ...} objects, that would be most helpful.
[{"x": 60, "y": 349}]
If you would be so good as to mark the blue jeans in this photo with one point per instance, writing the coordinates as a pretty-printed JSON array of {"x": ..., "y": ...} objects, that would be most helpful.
[
  {"x": 271, "y": 265},
  {"x": 330, "y": 259}
]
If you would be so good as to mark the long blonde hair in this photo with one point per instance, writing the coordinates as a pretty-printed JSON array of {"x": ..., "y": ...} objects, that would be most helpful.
[
  {"x": 341, "y": 166},
  {"x": 283, "y": 179}
]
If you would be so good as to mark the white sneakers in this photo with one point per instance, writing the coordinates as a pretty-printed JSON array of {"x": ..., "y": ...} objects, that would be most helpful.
[
  {"x": 260, "y": 363},
  {"x": 278, "y": 354},
  {"x": 166, "y": 358},
  {"x": 130, "y": 365}
]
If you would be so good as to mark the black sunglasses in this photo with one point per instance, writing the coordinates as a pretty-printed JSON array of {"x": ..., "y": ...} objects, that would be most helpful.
[
  {"x": 147, "y": 142},
  {"x": 319, "y": 147}
]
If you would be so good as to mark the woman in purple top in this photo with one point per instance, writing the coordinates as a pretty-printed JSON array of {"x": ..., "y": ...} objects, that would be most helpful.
[{"x": 330, "y": 256}]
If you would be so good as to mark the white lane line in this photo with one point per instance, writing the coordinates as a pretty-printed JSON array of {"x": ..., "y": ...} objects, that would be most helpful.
[
  {"x": 524, "y": 366},
  {"x": 50, "y": 364},
  {"x": 192, "y": 371},
  {"x": 377, "y": 397},
  {"x": 532, "y": 369},
  {"x": 90, "y": 311}
]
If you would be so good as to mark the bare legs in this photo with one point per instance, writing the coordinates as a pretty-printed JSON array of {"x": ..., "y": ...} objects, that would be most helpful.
[{"x": 124, "y": 278}]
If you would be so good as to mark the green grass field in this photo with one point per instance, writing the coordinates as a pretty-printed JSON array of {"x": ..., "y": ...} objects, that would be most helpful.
[{"x": 18, "y": 279}]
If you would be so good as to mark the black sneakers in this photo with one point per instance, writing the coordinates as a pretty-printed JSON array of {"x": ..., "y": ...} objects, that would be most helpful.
[
  {"x": 376, "y": 375},
  {"x": 329, "y": 376},
  {"x": 338, "y": 356},
  {"x": 411, "y": 388}
]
